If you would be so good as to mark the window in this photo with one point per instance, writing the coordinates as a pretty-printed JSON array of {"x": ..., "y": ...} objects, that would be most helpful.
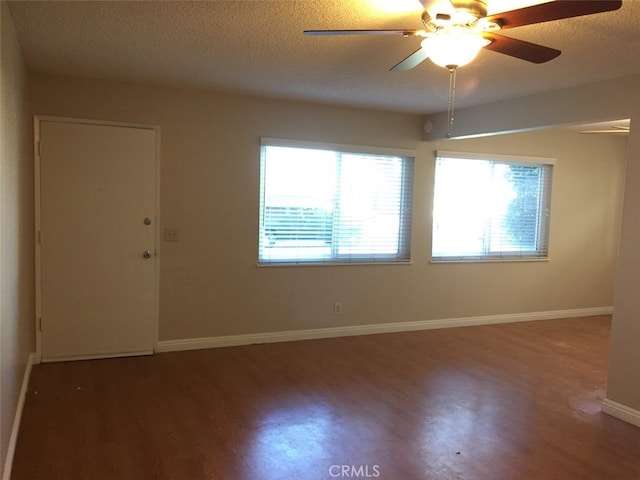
[
  {"x": 491, "y": 207},
  {"x": 333, "y": 204}
]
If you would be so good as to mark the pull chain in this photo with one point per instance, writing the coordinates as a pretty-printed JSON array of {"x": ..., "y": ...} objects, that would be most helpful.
[{"x": 452, "y": 99}]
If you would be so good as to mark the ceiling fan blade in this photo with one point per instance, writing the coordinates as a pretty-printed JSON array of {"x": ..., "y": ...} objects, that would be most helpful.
[
  {"x": 557, "y": 10},
  {"x": 411, "y": 61},
  {"x": 404, "y": 33},
  {"x": 531, "y": 52}
]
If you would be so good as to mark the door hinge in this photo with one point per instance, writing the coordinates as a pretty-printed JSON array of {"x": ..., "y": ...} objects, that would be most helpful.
[
  {"x": 39, "y": 237},
  {"x": 39, "y": 324}
]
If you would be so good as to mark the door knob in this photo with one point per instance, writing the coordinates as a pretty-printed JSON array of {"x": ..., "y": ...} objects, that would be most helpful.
[{"x": 146, "y": 254}]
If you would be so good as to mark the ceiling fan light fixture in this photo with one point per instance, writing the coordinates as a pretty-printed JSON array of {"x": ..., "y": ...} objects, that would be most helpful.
[{"x": 453, "y": 47}]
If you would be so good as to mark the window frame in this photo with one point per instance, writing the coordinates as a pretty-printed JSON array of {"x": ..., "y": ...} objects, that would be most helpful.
[
  {"x": 544, "y": 214},
  {"x": 403, "y": 256}
]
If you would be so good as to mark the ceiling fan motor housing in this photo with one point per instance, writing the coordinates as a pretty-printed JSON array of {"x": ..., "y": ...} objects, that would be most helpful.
[{"x": 477, "y": 8}]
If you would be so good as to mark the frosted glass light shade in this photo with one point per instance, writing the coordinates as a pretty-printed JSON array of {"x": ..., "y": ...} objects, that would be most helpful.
[{"x": 453, "y": 47}]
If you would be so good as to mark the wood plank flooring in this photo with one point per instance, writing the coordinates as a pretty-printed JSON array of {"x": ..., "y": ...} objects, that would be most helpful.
[{"x": 498, "y": 402}]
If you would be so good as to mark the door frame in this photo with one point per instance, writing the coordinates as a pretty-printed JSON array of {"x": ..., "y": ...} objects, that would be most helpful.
[{"x": 37, "y": 119}]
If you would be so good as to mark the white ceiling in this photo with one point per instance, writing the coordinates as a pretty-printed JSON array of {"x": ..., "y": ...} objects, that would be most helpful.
[{"x": 258, "y": 47}]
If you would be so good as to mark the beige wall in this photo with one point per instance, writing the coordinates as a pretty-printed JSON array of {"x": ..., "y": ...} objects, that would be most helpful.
[
  {"x": 624, "y": 359},
  {"x": 210, "y": 285},
  {"x": 16, "y": 229},
  {"x": 585, "y": 214}
]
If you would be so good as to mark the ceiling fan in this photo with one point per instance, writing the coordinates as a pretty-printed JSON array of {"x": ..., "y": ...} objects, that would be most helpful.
[{"x": 454, "y": 37}]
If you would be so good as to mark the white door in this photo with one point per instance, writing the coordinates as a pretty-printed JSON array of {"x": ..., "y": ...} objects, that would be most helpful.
[{"x": 97, "y": 240}]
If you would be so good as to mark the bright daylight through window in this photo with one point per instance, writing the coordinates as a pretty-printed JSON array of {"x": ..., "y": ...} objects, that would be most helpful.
[
  {"x": 491, "y": 207},
  {"x": 334, "y": 204}
]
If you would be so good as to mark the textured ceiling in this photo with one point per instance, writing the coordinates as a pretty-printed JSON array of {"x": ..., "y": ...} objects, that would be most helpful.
[{"x": 258, "y": 47}]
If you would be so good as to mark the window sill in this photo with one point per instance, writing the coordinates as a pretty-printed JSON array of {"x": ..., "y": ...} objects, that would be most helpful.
[
  {"x": 489, "y": 260},
  {"x": 330, "y": 264}
]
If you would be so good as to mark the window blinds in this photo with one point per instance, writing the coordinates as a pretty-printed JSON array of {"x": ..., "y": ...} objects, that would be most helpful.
[
  {"x": 491, "y": 207},
  {"x": 333, "y": 206}
]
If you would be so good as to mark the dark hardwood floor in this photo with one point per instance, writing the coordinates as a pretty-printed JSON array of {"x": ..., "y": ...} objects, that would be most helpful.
[{"x": 498, "y": 402}]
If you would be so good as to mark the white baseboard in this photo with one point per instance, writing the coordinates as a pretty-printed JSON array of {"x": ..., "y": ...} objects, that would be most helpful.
[
  {"x": 13, "y": 439},
  {"x": 621, "y": 412},
  {"x": 317, "y": 333}
]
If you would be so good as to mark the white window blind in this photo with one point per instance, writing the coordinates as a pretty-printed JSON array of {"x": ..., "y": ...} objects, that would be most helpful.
[
  {"x": 333, "y": 204},
  {"x": 491, "y": 207}
]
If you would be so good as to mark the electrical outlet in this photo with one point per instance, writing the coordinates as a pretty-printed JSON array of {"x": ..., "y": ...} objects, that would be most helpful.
[
  {"x": 170, "y": 234},
  {"x": 337, "y": 308}
]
